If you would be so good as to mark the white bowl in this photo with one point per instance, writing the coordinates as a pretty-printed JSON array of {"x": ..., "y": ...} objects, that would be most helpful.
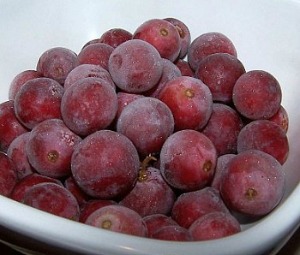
[{"x": 266, "y": 35}]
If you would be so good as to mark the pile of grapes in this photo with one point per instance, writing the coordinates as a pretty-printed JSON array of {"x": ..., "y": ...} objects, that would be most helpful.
[{"x": 147, "y": 133}]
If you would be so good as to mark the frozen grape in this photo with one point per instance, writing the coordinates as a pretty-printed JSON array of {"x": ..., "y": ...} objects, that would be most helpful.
[
  {"x": 39, "y": 99},
  {"x": 257, "y": 95},
  {"x": 135, "y": 66},
  {"x": 89, "y": 105},
  {"x": 150, "y": 195},
  {"x": 8, "y": 175},
  {"x": 28, "y": 181},
  {"x": 115, "y": 36},
  {"x": 223, "y": 128},
  {"x": 105, "y": 164},
  {"x": 91, "y": 206},
  {"x": 264, "y": 135},
  {"x": 172, "y": 233},
  {"x": 281, "y": 118},
  {"x": 189, "y": 206},
  {"x": 154, "y": 222},
  {"x": 71, "y": 185},
  {"x": 118, "y": 218},
  {"x": 147, "y": 122},
  {"x": 50, "y": 147},
  {"x": 207, "y": 44},
  {"x": 163, "y": 35},
  {"x": 86, "y": 71},
  {"x": 19, "y": 80},
  {"x": 54, "y": 199},
  {"x": 95, "y": 54},
  {"x": 220, "y": 72},
  {"x": 213, "y": 226},
  {"x": 10, "y": 126},
  {"x": 188, "y": 160},
  {"x": 190, "y": 101},
  {"x": 56, "y": 63},
  {"x": 253, "y": 183},
  {"x": 184, "y": 68},
  {"x": 17, "y": 153},
  {"x": 184, "y": 35}
]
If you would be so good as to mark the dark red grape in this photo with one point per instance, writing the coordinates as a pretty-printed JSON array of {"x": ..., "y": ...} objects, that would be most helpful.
[
  {"x": 56, "y": 63},
  {"x": 95, "y": 54},
  {"x": 115, "y": 36},
  {"x": 207, "y": 44},
  {"x": 135, "y": 66},
  {"x": 214, "y": 225},
  {"x": 264, "y": 135},
  {"x": 105, "y": 164},
  {"x": 54, "y": 199},
  {"x": 8, "y": 175},
  {"x": 220, "y": 72},
  {"x": 89, "y": 105},
  {"x": 118, "y": 218},
  {"x": 189, "y": 206},
  {"x": 39, "y": 99},
  {"x": 257, "y": 95},
  {"x": 147, "y": 122},
  {"x": 19, "y": 80},
  {"x": 223, "y": 128},
  {"x": 172, "y": 233},
  {"x": 163, "y": 35},
  {"x": 50, "y": 147},
  {"x": 253, "y": 183},
  {"x": 188, "y": 160},
  {"x": 190, "y": 101},
  {"x": 10, "y": 126}
]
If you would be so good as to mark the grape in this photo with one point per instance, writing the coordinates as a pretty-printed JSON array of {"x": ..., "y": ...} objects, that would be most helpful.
[
  {"x": 135, "y": 66},
  {"x": 163, "y": 35},
  {"x": 266, "y": 136},
  {"x": 281, "y": 118},
  {"x": 118, "y": 218},
  {"x": 172, "y": 233},
  {"x": 91, "y": 206},
  {"x": 50, "y": 147},
  {"x": 222, "y": 162},
  {"x": 115, "y": 36},
  {"x": 189, "y": 206},
  {"x": 207, "y": 44},
  {"x": 39, "y": 99},
  {"x": 8, "y": 175},
  {"x": 71, "y": 185},
  {"x": 223, "y": 128},
  {"x": 89, "y": 105},
  {"x": 257, "y": 95},
  {"x": 54, "y": 199},
  {"x": 170, "y": 72},
  {"x": 156, "y": 221},
  {"x": 253, "y": 183},
  {"x": 28, "y": 181},
  {"x": 105, "y": 164},
  {"x": 188, "y": 160},
  {"x": 10, "y": 127},
  {"x": 213, "y": 226},
  {"x": 19, "y": 80},
  {"x": 85, "y": 71},
  {"x": 95, "y": 54},
  {"x": 56, "y": 63},
  {"x": 190, "y": 101},
  {"x": 17, "y": 153},
  {"x": 184, "y": 34},
  {"x": 184, "y": 68},
  {"x": 150, "y": 195},
  {"x": 147, "y": 122},
  {"x": 220, "y": 72}
]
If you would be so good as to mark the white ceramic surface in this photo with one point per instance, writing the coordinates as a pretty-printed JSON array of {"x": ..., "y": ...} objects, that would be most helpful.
[{"x": 266, "y": 35}]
